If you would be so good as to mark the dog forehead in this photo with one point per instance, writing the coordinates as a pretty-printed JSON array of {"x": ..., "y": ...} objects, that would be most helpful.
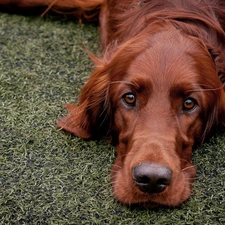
[
  {"x": 162, "y": 68},
  {"x": 170, "y": 59}
]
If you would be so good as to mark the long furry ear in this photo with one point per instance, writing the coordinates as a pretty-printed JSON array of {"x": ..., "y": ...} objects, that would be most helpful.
[
  {"x": 219, "y": 60},
  {"x": 222, "y": 111},
  {"x": 216, "y": 121},
  {"x": 90, "y": 118}
]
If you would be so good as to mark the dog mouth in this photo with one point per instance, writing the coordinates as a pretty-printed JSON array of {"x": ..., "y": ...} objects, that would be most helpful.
[
  {"x": 152, "y": 174},
  {"x": 151, "y": 185}
]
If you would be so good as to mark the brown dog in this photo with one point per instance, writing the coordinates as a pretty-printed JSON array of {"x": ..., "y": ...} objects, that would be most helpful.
[{"x": 158, "y": 90}]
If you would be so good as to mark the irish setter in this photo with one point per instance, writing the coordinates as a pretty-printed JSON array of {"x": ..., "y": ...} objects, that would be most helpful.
[{"x": 158, "y": 90}]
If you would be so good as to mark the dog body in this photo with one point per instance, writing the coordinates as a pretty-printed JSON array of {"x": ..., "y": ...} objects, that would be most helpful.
[{"x": 157, "y": 91}]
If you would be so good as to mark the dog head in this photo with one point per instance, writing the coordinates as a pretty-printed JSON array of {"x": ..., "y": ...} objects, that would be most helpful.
[{"x": 157, "y": 95}]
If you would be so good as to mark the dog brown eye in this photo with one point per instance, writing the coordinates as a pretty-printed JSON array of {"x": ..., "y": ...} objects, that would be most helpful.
[
  {"x": 189, "y": 104},
  {"x": 129, "y": 99}
]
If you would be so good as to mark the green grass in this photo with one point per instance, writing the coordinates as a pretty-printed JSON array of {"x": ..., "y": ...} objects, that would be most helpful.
[{"x": 51, "y": 177}]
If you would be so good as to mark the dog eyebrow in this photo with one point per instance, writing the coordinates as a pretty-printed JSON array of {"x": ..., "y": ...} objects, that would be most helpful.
[
  {"x": 116, "y": 82},
  {"x": 138, "y": 86},
  {"x": 182, "y": 89},
  {"x": 121, "y": 82},
  {"x": 208, "y": 89}
]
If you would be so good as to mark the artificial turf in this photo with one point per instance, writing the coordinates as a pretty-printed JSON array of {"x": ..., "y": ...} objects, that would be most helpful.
[{"x": 51, "y": 177}]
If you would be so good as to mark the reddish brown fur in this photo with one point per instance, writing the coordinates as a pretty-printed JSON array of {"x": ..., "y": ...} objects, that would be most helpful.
[{"x": 164, "y": 52}]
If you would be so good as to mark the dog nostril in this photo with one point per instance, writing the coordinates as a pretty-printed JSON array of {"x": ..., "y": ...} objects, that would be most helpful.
[{"x": 152, "y": 177}]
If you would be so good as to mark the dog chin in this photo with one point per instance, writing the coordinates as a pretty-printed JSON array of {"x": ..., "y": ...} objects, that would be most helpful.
[{"x": 173, "y": 196}]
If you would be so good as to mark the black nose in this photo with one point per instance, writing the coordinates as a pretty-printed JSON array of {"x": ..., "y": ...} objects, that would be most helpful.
[{"x": 152, "y": 177}]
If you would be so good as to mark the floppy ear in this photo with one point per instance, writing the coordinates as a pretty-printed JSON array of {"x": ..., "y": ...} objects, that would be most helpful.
[
  {"x": 215, "y": 116},
  {"x": 89, "y": 119},
  {"x": 222, "y": 111},
  {"x": 219, "y": 61}
]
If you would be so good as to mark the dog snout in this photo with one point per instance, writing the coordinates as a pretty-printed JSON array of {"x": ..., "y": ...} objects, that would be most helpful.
[{"x": 152, "y": 177}]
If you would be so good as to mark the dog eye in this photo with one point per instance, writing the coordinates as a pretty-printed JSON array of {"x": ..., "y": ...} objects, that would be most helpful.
[
  {"x": 189, "y": 104},
  {"x": 129, "y": 99}
]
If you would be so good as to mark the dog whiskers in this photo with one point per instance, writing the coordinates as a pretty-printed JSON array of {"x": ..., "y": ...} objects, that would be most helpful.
[{"x": 186, "y": 168}]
